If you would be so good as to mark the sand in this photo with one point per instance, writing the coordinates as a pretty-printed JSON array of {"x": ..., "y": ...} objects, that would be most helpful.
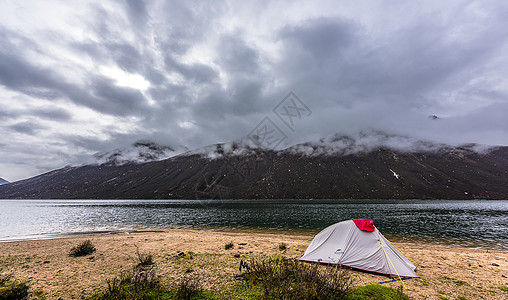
[{"x": 45, "y": 264}]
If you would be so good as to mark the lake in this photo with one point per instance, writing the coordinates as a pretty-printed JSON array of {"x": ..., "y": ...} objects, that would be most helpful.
[{"x": 481, "y": 224}]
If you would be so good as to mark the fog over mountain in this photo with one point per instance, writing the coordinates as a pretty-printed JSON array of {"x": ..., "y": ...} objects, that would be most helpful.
[
  {"x": 139, "y": 152},
  {"x": 78, "y": 79}
]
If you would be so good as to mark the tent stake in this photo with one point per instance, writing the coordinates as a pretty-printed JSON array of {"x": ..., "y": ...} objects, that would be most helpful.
[{"x": 396, "y": 279}]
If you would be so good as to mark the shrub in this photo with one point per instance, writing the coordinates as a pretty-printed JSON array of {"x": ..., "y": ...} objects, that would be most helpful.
[
  {"x": 281, "y": 278},
  {"x": 188, "y": 288},
  {"x": 145, "y": 259},
  {"x": 82, "y": 249},
  {"x": 229, "y": 246},
  {"x": 10, "y": 289},
  {"x": 283, "y": 246}
]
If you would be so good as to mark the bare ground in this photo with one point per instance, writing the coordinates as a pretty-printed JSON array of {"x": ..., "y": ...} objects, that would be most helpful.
[{"x": 45, "y": 264}]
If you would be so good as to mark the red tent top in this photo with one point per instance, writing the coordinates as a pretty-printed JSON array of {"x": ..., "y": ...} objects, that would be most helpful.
[{"x": 365, "y": 224}]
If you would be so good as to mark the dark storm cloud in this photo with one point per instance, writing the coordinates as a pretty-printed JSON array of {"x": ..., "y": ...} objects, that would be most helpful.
[
  {"x": 321, "y": 38},
  {"x": 116, "y": 100},
  {"x": 137, "y": 12},
  {"x": 237, "y": 57},
  {"x": 26, "y": 127},
  {"x": 54, "y": 114},
  {"x": 196, "y": 72},
  {"x": 212, "y": 71},
  {"x": 387, "y": 84},
  {"x": 17, "y": 73}
]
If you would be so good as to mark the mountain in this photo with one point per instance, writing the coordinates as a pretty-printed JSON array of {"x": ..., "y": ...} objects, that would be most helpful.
[
  {"x": 335, "y": 168},
  {"x": 3, "y": 181},
  {"x": 139, "y": 152}
]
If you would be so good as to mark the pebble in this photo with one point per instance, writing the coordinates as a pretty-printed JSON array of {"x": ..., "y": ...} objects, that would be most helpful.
[{"x": 495, "y": 265}]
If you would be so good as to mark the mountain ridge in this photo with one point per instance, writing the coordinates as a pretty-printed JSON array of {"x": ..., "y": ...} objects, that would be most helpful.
[{"x": 218, "y": 172}]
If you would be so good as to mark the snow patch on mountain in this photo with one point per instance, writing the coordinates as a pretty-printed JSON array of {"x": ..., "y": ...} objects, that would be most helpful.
[
  {"x": 139, "y": 152},
  {"x": 3, "y": 181}
]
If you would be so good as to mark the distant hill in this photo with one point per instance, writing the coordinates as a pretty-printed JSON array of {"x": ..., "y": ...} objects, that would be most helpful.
[
  {"x": 339, "y": 168},
  {"x": 3, "y": 181}
]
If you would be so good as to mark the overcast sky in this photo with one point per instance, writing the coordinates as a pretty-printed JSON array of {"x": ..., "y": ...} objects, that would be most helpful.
[{"x": 78, "y": 77}]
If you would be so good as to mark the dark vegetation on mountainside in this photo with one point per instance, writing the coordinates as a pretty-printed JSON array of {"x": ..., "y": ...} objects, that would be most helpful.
[{"x": 450, "y": 173}]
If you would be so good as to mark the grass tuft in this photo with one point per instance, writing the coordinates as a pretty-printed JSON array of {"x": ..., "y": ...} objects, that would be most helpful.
[
  {"x": 82, "y": 249},
  {"x": 283, "y": 246},
  {"x": 145, "y": 259},
  {"x": 229, "y": 246}
]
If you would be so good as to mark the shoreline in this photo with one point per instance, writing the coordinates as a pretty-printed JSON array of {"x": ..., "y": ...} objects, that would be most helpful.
[
  {"x": 395, "y": 238},
  {"x": 46, "y": 266}
]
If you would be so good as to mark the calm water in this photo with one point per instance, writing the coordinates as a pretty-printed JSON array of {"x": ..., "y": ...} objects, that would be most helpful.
[{"x": 461, "y": 223}]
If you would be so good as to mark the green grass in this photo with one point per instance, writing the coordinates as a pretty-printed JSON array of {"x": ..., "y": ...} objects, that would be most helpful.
[
  {"x": 378, "y": 292},
  {"x": 82, "y": 249},
  {"x": 503, "y": 288},
  {"x": 145, "y": 285},
  {"x": 267, "y": 278},
  {"x": 10, "y": 289}
]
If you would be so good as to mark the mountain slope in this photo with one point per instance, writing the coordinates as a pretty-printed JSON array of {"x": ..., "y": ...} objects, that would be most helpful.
[
  {"x": 3, "y": 181},
  {"x": 380, "y": 173}
]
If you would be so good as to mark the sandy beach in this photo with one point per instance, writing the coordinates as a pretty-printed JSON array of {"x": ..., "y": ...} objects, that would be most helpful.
[{"x": 45, "y": 264}]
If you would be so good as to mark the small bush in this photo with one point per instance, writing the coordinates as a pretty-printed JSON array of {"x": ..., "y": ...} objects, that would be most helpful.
[
  {"x": 281, "y": 278},
  {"x": 188, "y": 288},
  {"x": 145, "y": 259},
  {"x": 10, "y": 289},
  {"x": 82, "y": 249},
  {"x": 283, "y": 246},
  {"x": 229, "y": 246},
  {"x": 378, "y": 292}
]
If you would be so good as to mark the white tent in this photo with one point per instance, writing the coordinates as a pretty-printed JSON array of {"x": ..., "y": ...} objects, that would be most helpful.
[{"x": 359, "y": 245}]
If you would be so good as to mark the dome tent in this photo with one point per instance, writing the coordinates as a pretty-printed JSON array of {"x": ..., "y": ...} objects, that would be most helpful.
[{"x": 358, "y": 244}]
